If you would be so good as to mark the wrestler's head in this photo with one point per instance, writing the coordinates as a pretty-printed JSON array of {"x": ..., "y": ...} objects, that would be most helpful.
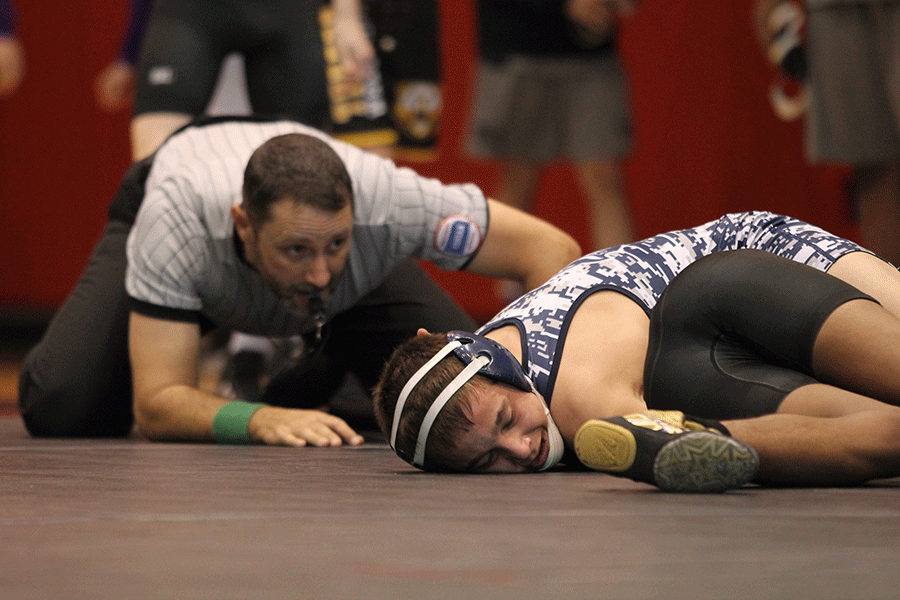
[
  {"x": 296, "y": 218},
  {"x": 460, "y": 402}
]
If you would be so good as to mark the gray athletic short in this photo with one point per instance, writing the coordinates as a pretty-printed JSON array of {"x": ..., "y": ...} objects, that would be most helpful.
[
  {"x": 543, "y": 109},
  {"x": 854, "y": 77}
]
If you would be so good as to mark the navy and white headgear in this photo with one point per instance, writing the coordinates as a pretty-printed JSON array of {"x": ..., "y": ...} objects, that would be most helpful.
[{"x": 481, "y": 356}]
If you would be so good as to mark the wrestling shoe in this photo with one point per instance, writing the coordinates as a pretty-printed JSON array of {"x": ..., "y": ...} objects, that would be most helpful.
[
  {"x": 668, "y": 450},
  {"x": 678, "y": 419}
]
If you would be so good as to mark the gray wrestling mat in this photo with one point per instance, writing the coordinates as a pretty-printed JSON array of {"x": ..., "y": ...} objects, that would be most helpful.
[{"x": 129, "y": 519}]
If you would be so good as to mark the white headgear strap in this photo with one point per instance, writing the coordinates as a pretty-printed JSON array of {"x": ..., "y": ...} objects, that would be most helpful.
[
  {"x": 460, "y": 380},
  {"x": 413, "y": 382}
]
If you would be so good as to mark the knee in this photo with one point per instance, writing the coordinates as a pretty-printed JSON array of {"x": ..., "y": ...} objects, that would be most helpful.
[
  {"x": 880, "y": 453},
  {"x": 886, "y": 430},
  {"x": 57, "y": 409}
]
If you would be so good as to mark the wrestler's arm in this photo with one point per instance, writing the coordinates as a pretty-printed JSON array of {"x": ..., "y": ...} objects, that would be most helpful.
[
  {"x": 600, "y": 373},
  {"x": 522, "y": 247},
  {"x": 169, "y": 406}
]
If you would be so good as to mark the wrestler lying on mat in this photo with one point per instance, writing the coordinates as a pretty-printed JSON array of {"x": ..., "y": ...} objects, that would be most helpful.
[{"x": 752, "y": 365}]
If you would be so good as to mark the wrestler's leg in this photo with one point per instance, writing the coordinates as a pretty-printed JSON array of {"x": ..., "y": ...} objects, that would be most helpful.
[
  {"x": 827, "y": 434},
  {"x": 799, "y": 449},
  {"x": 872, "y": 275},
  {"x": 858, "y": 349},
  {"x": 845, "y": 430},
  {"x": 734, "y": 333}
]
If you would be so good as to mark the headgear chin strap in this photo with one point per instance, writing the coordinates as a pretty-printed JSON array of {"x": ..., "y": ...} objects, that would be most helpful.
[{"x": 482, "y": 356}]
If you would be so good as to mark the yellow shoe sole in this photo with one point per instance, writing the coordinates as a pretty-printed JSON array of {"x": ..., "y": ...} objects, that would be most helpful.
[{"x": 605, "y": 446}]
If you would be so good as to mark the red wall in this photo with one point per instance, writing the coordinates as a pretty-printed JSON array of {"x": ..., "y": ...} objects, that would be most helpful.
[{"x": 707, "y": 142}]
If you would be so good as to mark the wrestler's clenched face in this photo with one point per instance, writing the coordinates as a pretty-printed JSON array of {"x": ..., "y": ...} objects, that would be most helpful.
[
  {"x": 300, "y": 251},
  {"x": 509, "y": 432}
]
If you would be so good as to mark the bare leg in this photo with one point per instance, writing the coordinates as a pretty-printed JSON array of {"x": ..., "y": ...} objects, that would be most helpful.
[
  {"x": 803, "y": 450},
  {"x": 149, "y": 130},
  {"x": 611, "y": 222},
  {"x": 858, "y": 349},
  {"x": 871, "y": 275},
  {"x": 827, "y": 435}
]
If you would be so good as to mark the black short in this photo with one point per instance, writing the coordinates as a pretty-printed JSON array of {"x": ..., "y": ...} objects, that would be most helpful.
[
  {"x": 186, "y": 42},
  {"x": 733, "y": 334}
]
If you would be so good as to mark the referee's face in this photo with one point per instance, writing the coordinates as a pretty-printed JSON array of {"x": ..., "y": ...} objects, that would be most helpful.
[{"x": 300, "y": 251}]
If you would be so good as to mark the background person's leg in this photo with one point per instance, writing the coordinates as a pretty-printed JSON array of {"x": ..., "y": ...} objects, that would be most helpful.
[
  {"x": 285, "y": 67},
  {"x": 177, "y": 71},
  {"x": 611, "y": 222}
]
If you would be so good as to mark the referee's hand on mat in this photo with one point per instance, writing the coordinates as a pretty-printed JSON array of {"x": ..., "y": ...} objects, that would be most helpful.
[{"x": 299, "y": 427}]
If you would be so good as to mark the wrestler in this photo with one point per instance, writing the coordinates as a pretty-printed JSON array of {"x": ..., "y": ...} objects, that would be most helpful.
[{"x": 778, "y": 339}]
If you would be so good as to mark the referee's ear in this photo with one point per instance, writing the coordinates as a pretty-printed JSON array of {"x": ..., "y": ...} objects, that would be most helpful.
[{"x": 242, "y": 224}]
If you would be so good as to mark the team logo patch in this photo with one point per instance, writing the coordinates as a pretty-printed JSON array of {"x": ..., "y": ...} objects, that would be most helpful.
[
  {"x": 417, "y": 108},
  {"x": 457, "y": 235}
]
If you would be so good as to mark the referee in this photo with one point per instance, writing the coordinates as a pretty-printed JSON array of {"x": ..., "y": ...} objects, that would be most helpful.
[{"x": 270, "y": 228}]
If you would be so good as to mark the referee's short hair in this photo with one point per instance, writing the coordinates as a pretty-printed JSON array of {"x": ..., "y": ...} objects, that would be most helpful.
[{"x": 297, "y": 166}]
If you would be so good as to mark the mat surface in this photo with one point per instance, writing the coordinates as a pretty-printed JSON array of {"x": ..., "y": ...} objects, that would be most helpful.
[{"x": 129, "y": 519}]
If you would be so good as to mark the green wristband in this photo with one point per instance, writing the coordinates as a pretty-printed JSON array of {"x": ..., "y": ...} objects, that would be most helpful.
[{"x": 231, "y": 422}]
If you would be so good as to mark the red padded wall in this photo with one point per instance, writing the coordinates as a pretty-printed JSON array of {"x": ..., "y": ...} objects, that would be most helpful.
[{"x": 706, "y": 143}]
